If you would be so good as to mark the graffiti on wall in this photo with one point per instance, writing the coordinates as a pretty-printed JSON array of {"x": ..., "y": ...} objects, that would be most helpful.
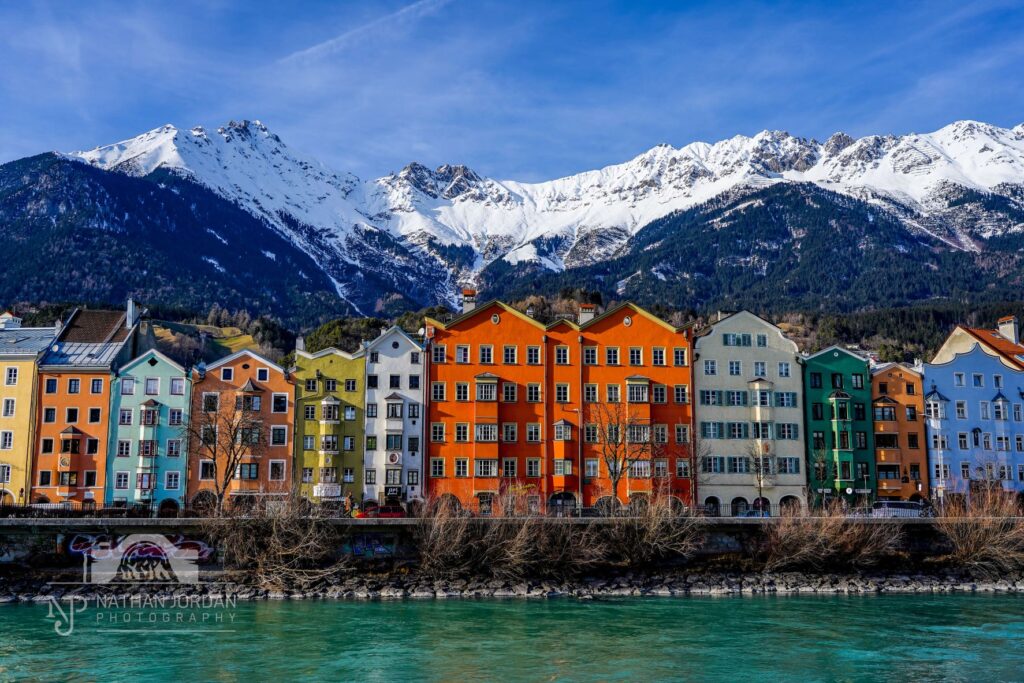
[{"x": 98, "y": 547}]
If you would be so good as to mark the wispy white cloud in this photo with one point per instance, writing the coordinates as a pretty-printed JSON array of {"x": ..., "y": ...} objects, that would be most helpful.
[{"x": 403, "y": 16}]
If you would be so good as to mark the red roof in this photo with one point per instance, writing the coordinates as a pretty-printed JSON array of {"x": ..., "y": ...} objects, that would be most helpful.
[
  {"x": 999, "y": 343},
  {"x": 1007, "y": 318}
]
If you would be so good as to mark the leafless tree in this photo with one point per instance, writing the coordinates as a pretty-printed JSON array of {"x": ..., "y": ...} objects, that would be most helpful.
[
  {"x": 763, "y": 466},
  {"x": 623, "y": 440},
  {"x": 984, "y": 532},
  {"x": 822, "y": 475},
  {"x": 224, "y": 433}
]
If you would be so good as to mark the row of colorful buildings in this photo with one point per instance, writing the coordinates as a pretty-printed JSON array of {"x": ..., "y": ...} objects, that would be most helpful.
[{"x": 492, "y": 408}]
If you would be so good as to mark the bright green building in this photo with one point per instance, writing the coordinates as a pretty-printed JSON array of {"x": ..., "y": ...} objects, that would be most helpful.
[
  {"x": 840, "y": 435},
  {"x": 329, "y": 421}
]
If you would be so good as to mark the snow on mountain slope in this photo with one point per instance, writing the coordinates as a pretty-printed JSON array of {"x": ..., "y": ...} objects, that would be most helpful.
[{"x": 447, "y": 224}]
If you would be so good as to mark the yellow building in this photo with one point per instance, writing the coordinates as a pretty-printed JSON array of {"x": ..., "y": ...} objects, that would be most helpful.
[
  {"x": 20, "y": 348},
  {"x": 329, "y": 419}
]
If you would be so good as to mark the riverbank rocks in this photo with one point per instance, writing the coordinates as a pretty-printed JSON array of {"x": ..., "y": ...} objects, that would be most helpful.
[{"x": 36, "y": 587}]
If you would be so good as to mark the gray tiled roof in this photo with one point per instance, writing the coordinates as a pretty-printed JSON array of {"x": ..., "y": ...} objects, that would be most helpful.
[
  {"x": 22, "y": 341},
  {"x": 82, "y": 355}
]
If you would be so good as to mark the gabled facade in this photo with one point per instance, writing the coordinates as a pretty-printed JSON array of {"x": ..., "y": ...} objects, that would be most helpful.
[
  {"x": 395, "y": 414},
  {"x": 840, "y": 443},
  {"x": 243, "y": 388},
  {"x": 20, "y": 349},
  {"x": 150, "y": 402},
  {"x": 901, "y": 455},
  {"x": 73, "y": 415},
  {"x": 974, "y": 408},
  {"x": 329, "y": 418},
  {"x": 516, "y": 406},
  {"x": 748, "y": 392}
]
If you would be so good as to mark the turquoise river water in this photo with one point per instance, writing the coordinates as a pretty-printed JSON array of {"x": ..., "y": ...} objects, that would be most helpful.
[{"x": 793, "y": 638}]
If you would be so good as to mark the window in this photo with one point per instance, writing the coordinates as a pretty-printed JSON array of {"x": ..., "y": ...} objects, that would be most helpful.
[
  {"x": 590, "y": 433},
  {"x": 636, "y": 355},
  {"x": 486, "y": 432},
  {"x": 371, "y": 410},
  {"x": 533, "y": 393},
  {"x": 760, "y": 368},
  {"x": 414, "y": 411},
  {"x": 486, "y": 468},
  {"x": 348, "y": 443},
  {"x": 657, "y": 356},
  {"x": 738, "y": 464},
  {"x": 561, "y": 393},
  {"x": 737, "y": 430},
  {"x": 46, "y": 445},
  {"x": 613, "y": 393},
  {"x": 885, "y": 414},
  {"x": 590, "y": 393},
  {"x": 735, "y": 339},
  {"x": 590, "y": 355},
  {"x": 659, "y": 393},
  {"x": 508, "y": 355},
  {"x": 393, "y": 477},
  {"x": 461, "y": 432},
  {"x": 11, "y": 377},
  {"x": 911, "y": 413},
  {"x": 128, "y": 386},
  {"x": 984, "y": 410},
  {"x": 712, "y": 464},
  {"x": 277, "y": 470},
  {"x": 5, "y": 474},
  {"x": 413, "y": 477},
  {"x": 370, "y": 476},
  {"x": 942, "y": 471},
  {"x": 533, "y": 355},
  {"x": 712, "y": 430},
  {"x": 461, "y": 391},
  {"x": 437, "y": 432},
  {"x": 207, "y": 470},
  {"x": 837, "y": 380},
  {"x": 124, "y": 448},
  {"x": 637, "y": 393},
  {"x": 152, "y": 386},
  {"x": 248, "y": 471},
  {"x": 279, "y": 403},
  {"x": 563, "y": 468},
  {"x": 437, "y": 467},
  {"x": 371, "y": 443},
  {"x": 121, "y": 480},
  {"x": 437, "y": 353},
  {"x": 508, "y": 468},
  {"x": 45, "y": 478},
  {"x": 961, "y": 410},
  {"x": 611, "y": 355},
  {"x": 533, "y": 433},
  {"x": 858, "y": 380},
  {"x": 173, "y": 448},
  {"x": 786, "y": 399},
  {"x": 394, "y": 381},
  {"x": 228, "y": 374},
  {"x": 486, "y": 391},
  {"x": 6, "y": 441},
  {"x": 978, "y": 380},
  {"x": 682, "y": 433},
  {"x": 679, "y": 356},
  {"x": 461, "y": 467},
  {"x": 680, "y": 393},
  {"x": 997, "y": 381},
  {"x": 533, "y": 467},
  {"x": 177, "y": 386},
  {"x": 371, "y": 382},
  {"x": 638, "y": 433},
  {"x": 561, "y": 355},
  {"x": 437, "y": 391},
  {"x": 278, "y": 435},
  {"x": 509, "y": 431},
  {"x": 144, "y": 481},
  {"x": 710, "y": 367},
  {"x": 71, "y": 415},
  {"x": 249, "y": 404},
  {"x": 49, "y": 415},
  {"x": 640, "y": 469},
  {"x": 73, "y": 386},
  {"x": 262, "y": 374},
  {"x": 393, "y": 442},
  {"x": 309, "y": 412},
  {"x": 486, "y": 354},
  {"x": 96, "y": 386},
  {"x": 788, "y": 465},
  {"x": 735, "y": 368},
  {"x": 815, "y": 380},
  {"x": 787, "y": 431},
  {"x": 660, "y": 433},
  {"x": 563, "y": 431},
  {"x": 394, "y": 409},
  {"x": 762, "y": 397},
  {"x": 51, "y": 386},
  {"x": 211, "y": 403},
  {"x": 8, "y": 407}
]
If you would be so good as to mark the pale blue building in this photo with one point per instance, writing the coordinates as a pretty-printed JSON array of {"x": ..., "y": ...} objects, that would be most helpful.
[
  {"x": 147, "y": 458},
  {"x": 974, "y": 411}
]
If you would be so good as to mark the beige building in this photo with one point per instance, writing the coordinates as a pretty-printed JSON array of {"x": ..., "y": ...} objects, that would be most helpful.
[{"x": 748, "y": 389}]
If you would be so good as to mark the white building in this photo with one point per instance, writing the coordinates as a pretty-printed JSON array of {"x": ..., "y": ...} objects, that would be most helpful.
[
  {"x": 748, "y": 384},
  {"x": 393, "y": 459}
]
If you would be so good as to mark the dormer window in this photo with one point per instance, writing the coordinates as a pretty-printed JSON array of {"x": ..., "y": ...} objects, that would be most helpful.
[
  {"x": 263, "y": 374},
  {"x": 227, "y": 374}
]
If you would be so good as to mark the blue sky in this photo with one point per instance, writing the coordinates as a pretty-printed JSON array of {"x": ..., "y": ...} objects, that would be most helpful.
[{"x": 520, "y": 89}]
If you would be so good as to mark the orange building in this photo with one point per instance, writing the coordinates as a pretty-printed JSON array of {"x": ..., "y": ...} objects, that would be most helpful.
[
  {"x": 515, "y": 405},
  {"x": 242, "y": 415},
  {"x": 74, "y": 404},
  {"x": 901, "y": 455}
]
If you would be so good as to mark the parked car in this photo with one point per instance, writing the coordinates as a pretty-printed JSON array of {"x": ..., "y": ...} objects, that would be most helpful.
[
  {"x": 899, "y": 508},
  {"x": 382, "y": 512}
]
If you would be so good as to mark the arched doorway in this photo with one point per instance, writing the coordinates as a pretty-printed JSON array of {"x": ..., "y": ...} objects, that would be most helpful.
[
  {"x": 608, "y": 506},
  {"x": 168, "y": 508},
  {"x": 790, "y": 505},
  {"x": 762, "y": 505},
  {"x": 204, "y": 504},
  {"x": 485, "y": 504},
  {"x": 739, "y": 506},
  {"x": 676, "y": 505},
  {"x": 40, "y": 500},
  {"x": 562, "y": 504},
  {"x": 639, "y": 503},
  {"x": 712, "y": 506},
  {"x": 6, "y": 498}
]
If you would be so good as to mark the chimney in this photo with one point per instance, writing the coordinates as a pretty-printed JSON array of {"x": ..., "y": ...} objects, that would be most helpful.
[
  {"x": 130, "y": 318},
  {"x": 586, "y": 313},
  {"x": 1008, "y": 328},
  {"x": 300, "y": 343},
  {"x": 530, "y": 311},
  {"x": 468, "y": 300}
]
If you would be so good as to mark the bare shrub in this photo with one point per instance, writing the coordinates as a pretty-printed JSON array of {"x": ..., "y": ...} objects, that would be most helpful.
[
  {"x": 984, "y": 534},
  {"x": 656, "y": 532},
  {"x": 828, "y": 538},
  {"x": 282, "y": 543}
]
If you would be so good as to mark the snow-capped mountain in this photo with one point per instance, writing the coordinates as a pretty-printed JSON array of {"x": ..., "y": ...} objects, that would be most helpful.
[{"x": 421, "y": 231}]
